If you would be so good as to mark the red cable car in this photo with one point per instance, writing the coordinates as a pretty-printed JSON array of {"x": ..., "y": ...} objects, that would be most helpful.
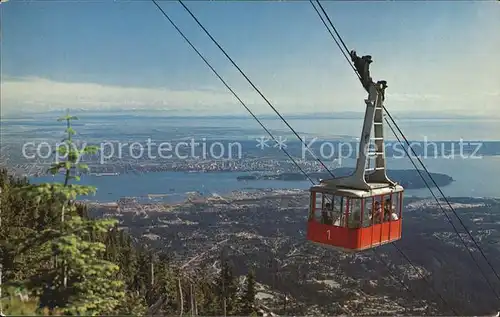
[{"x": 363, "y": 210}]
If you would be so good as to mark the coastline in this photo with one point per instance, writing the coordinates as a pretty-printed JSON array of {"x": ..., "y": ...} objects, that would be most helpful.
[{"x": 408, "y": 178}]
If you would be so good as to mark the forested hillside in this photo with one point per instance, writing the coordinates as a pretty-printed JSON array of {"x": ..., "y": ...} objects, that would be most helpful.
[{"x": 57, "y": 260}]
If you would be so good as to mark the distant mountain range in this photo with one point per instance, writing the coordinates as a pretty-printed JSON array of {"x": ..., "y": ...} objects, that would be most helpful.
[{"x": 155, "y": 113}]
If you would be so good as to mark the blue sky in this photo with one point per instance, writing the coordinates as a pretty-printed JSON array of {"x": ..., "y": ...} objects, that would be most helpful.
[{"x": 437, "y": 56}]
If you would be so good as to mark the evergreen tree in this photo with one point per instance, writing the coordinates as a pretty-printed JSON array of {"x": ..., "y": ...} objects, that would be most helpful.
[
  {"x": 15, "y": 302},
  {"x": 54, "y": 255},
  {"x": 80, "y": 281},
  {"x": 228, "y": 289},
  {"x": 248, "y": 298},
  {"x": 132, "y": 304},
  {"x": 127, "y": 260},
  {"x": 211, "y": 301}
]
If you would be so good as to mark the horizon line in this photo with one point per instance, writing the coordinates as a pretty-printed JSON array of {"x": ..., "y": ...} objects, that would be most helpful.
[{"x": 154, "y": 113}]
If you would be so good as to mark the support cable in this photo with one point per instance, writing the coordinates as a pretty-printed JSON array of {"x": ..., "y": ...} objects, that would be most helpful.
[
  {"x": 425, "y": 168},
  {"x": 253, "y": 86},
  {"x": 425, "y": 280},
  {"x": 401, "y": 281},
  {"x": 228, "y": 87},
  {"x": 444, "y": 212},
  {"x": 333, "y": 36},
  {"x": 445, "y": 199},
  {"x": 333, "y": 27}
]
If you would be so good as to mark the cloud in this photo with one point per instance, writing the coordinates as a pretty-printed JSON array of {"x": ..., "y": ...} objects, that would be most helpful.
[
  {"x": 287, "y": 94},
  {"x": 35, "y": 94},
  {"x": 39, "y": 94},
  {"x": 445, "y": 65}
]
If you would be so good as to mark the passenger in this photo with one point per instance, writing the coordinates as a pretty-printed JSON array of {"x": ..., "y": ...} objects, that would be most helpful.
[
  {"x": 394, "y": 216},
  {"x": 337, "y": 218},
  {"x": 362, "y": 65},
  {"x": 338, "y": 222},
  {"x": 389, "y": 211},
  {"x": 354, "y": 219},
  {"x": 325, "y": 218},
  {"x": 377, "y": 212},
  {"x": 367, "y": 219}
]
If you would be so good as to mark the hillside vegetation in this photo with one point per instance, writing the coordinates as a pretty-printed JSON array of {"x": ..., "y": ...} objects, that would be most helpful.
[{"x": 57, "y": 260}]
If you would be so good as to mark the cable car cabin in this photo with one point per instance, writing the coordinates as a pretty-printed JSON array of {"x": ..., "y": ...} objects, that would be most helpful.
[
  {"x": 354, "y": 220},
  {"x": 362, "y": 210}
]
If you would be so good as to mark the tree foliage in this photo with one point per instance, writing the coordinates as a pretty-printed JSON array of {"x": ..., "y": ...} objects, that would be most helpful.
[
  {"x": 56, "y": 259},
  {"x": 248, "y": 297}
]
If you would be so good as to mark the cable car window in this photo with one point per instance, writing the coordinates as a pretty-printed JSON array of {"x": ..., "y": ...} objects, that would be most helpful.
[
  {"x": 328, "y": 204},
  {"x": 326, "y": 212},
  {"x": 318, "y": 206},
  {"x": 391, "y": 207},
  {"x": 367, "y": 213},
  {"x": 398, "y": 203},
  {"x": 338, "y": 211},
  {"x": 377, "y": 212},
  {"x": 312, "y": 206},
  {"x": 354, "y": 218},
  {"x": 401, "y": 202},
  {"x": 387, "y": 207}
]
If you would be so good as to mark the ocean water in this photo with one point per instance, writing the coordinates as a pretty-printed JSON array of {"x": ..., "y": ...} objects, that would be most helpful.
[
  {"x": 165, "y": 128},
  {"x": 473, "y": 178}
]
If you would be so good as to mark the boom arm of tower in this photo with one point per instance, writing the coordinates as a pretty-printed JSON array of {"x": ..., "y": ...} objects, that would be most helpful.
[{"x": 376, "y": 177}]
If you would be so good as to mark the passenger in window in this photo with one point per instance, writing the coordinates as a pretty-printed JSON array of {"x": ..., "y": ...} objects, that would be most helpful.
[
  {"x": 355, "y": 219},
  {"x": 337, "y": 219},
  {"x": 311, "y": 215},
  {"x": 387, "y": 209},
  {"x": 325, "y": 219},
  {"x": 389, "y": 213},
  {"x": 394, "y": 216},
  {"x": 367, "y": 215},
  {"x": 377, "y": 212}
]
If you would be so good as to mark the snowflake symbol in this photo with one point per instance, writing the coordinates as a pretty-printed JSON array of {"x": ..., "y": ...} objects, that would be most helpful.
[
  {"x": 262, "y": 142},
  {"x": 280, "y": 142}
]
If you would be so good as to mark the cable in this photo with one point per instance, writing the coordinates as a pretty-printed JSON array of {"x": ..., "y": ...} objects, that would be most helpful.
[
  {"x": 333, "y": 27},
  {"x": 403, "y": 283},
  {"x": 423, "y": 277},
  {"x": 333, "y": 37},
  {"x": 428, "y": 173},
  {"x": 406, "y": 141},
  {"x": 227, "y": 86},
  {"x": 444, "y": 212},
  {"x": 392, "y": 273},
  {"x": 252, "y": 84},
  {"x": 430, "y": 176},
  {"x": 445, "y": 198}
]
